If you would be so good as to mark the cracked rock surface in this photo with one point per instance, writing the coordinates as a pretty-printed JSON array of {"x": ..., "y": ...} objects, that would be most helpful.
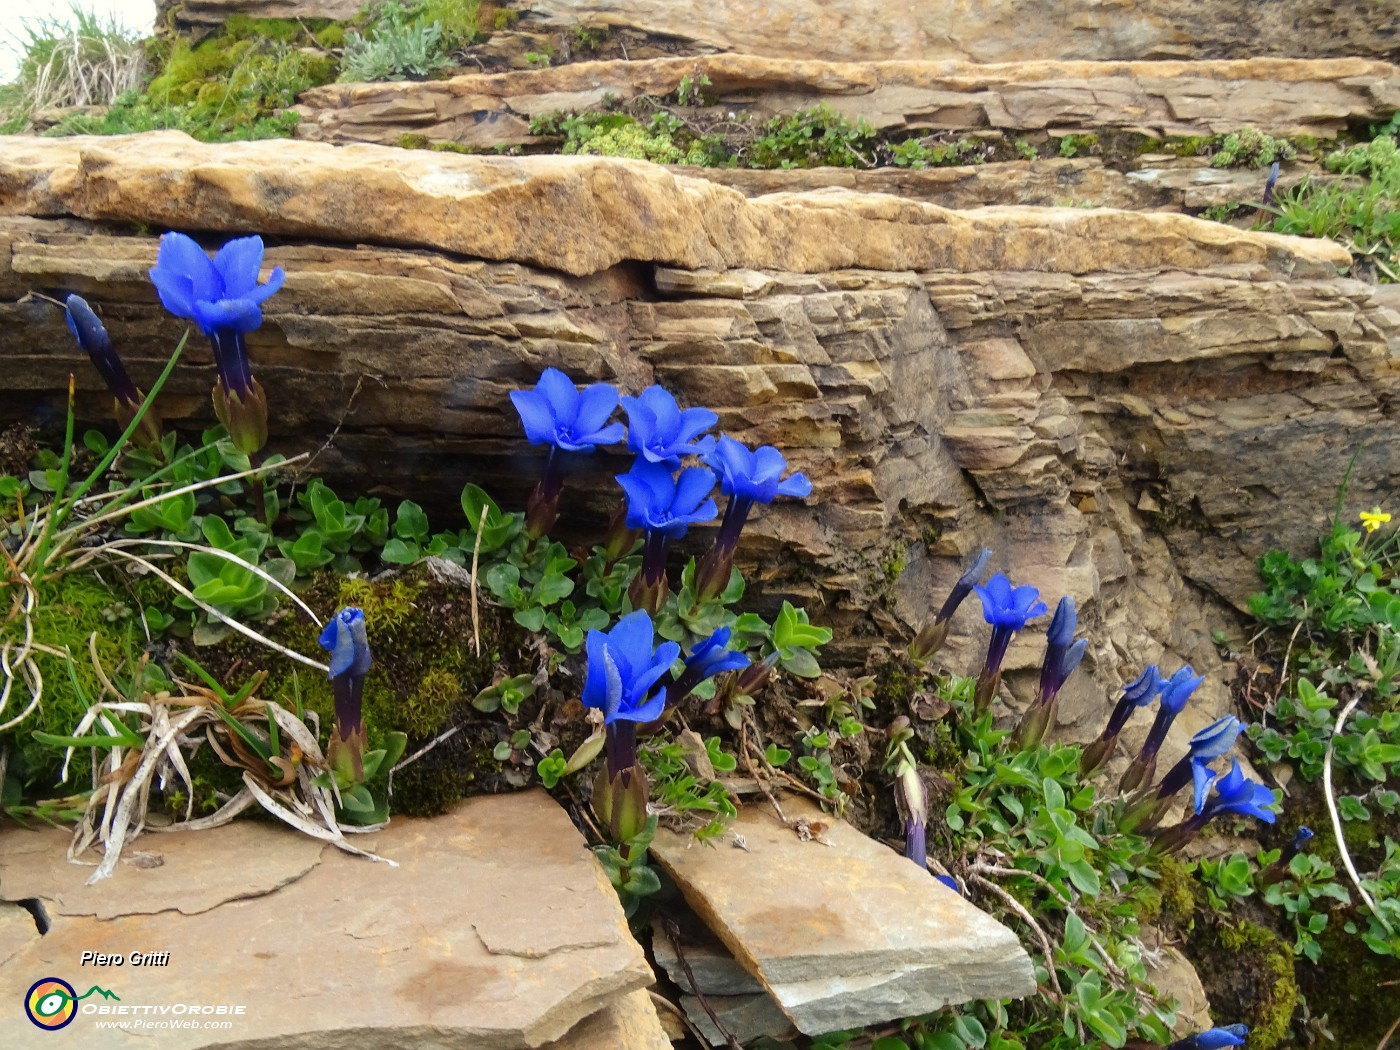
[
  {"x": 904, "y": 944},
  {"x": 498, "y": 930}
]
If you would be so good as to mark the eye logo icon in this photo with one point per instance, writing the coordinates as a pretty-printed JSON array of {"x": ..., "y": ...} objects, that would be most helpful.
[{"x": 51, "y": 1003}]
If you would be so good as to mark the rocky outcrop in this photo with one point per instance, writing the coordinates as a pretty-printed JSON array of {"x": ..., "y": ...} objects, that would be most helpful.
[
  {"x": 1128, "y": 407},
  {"x": 1161, "y": 183},
  {"x": 454, "y": 947},
  {"x": 995, "y": 31},
  {"x": 903, "y": 945},
  {"x": 1280, "y": 96}
]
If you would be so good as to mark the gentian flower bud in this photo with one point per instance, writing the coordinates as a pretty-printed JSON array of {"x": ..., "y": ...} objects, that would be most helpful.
[
  {"x": 223, "y": 297},
  {"x": 557, "y": 414},
  {"x": 660, "y": 432},
  {"x": 1007, "y": 609},
  {"x": 1234, "y": 793},
  {"x": 746, "y": 477},
  {"x": 1178, "y": 690},
  {"x": 1140, "y": 692},
  {"x": 1280, "y": 868},
  {"x": 929, "y": 640},
  {"x": 666, "y": 507},
  {"x": 350, "y": 662},
  {"x": 126, "y": 398},
  {"x": 911, "y": 799},
  {"x": 1213, "y": 1039},
  {"x": 1062, "y": 656}
]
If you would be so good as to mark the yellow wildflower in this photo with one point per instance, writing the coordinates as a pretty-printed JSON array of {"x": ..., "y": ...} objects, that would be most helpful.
[{"x": 1371, "y": 520}]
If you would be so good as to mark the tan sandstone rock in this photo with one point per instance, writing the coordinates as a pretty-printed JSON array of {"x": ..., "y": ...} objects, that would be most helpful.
[
  {"x": 904, "y": 944},
  {"x": 1281, "y": 96},
  {"x": 1100, "y": 396},
  {"x": 497, "y": 929},
  {"x": 990, "y": 31}
]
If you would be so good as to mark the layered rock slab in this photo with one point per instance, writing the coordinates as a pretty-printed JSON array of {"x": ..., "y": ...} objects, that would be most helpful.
[
  {"x": 486, "y": 110},
  {"x": 497, "y": 929},
  {"x": 1099, "y": 396},
  {"x": 841, "y": 930},
  {"x": 991, "y": 31}
]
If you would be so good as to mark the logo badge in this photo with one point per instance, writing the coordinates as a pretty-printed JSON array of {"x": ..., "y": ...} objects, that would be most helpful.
[{"x": 51, "y": 1003}]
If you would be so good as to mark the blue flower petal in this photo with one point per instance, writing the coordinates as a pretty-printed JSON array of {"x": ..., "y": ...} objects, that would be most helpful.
[
  {"x": 595, "y": 405},
  {"x": 238, "y": 263},
  {"x": 534, "y": 411}
]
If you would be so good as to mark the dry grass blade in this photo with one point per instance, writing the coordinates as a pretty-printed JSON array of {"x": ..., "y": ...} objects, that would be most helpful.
[{"x": 184, "y": 592}]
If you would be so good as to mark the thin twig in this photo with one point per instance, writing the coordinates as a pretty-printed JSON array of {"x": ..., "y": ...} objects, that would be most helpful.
[
  {"x": 476, "y": 559},
  {"x": 744, "y": 745},
  {"x": 674, "y": 933},
  {"x": 1385, "y": 1039},
  {"x": 991, "y": 869},
  {"x": 659, "y": 1000},
  {"x": 1337, "y": 818},
  {"x": 1039, "y": 931}
]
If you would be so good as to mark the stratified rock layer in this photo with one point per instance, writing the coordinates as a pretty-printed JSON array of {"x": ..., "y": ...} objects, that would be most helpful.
[
  {"x": 1130, "y": 408},
  {"x": 498, "y": 929},
  {"x": 842, "y": 931},
  {"x": 1281, "y": 96},
  {"x": 991, "y": 31}
]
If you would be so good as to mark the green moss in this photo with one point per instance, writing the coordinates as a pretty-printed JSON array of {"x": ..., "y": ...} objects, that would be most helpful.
[
  {"x": 1190, "y": 146},
  {"x": 426, "y": 709},
  {"x": 413, "y": 140},
  {"x": 1078, "y": 145},
  {"x": 237, "y": 84},
  {"x": 331, "y": 38},
  {"x": 1249, "y": 148},
  {"x": 73, "y": 608},
  {"x": 1249, "y": 977},
  {"x": 892, "y": 568},
  {"x": 1175, "y": 886}
]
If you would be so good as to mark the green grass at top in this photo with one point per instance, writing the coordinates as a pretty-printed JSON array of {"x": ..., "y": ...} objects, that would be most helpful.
[{"x": 77, "y": 60}]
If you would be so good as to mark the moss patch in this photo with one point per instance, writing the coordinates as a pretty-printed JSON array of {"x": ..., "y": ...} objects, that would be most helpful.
[{"x": 1248, "y": 976}]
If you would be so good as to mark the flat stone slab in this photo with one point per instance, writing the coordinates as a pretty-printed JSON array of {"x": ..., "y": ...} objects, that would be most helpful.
[
  {"x": 188, "y": 872},
  {"x": 497, "y": 931},
  {"x": 843, "y": 931}
]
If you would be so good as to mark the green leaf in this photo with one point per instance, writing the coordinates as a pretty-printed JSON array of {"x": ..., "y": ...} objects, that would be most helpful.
[{"x": 400, "y": 552}]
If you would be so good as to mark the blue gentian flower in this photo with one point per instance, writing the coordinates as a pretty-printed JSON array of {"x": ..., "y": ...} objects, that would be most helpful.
[
  {"x": 755, "y": 476},
  {"x": 1007, "y": 609},
  {"x": 1140, "y": 692},
  {"x": 217, "y": 294},
  {"x": 660, "y": 502},
  {"x": 1174, "y": 696},
  {"x": 624, "y": 664},
  {"x": 223, "y": 297},
  {"x": 660, "y": 432},
  {"x": 929, "y": 640},
  {"x": 746, "y": 477},
  {"x": 1206, "y": 746},
  {"x": 950, "y": 882},
  {"x": 557, "y": 414},
  {"x": 344, "y": 637},
  {"x": 710, "y": 658},
  {"x": 1234, "y": 793},
  {"x": 1214, "y": 1038},
  {"x": 666, "y": 507}
]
